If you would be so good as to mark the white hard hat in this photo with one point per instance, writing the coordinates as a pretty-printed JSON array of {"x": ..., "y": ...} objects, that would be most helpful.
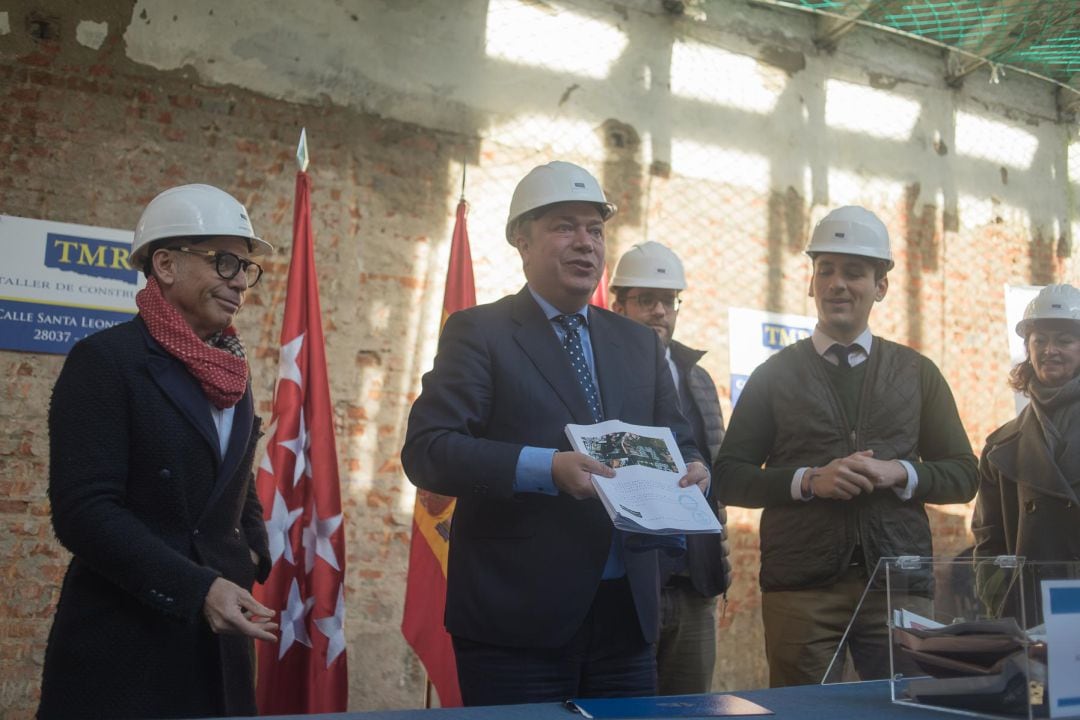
[
  {"x": 1054, "y": 302},
  {"x": 558, "y": 181},
  {"x": 852, "y": 230},
  {"x": 649, "y": 265},
  {"x": 193, "y": 211}
]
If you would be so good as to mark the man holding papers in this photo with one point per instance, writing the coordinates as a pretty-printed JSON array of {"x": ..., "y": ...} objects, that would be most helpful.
[
  {"x": 856, "y": 433},
  {"x": 544, "y": 601}
]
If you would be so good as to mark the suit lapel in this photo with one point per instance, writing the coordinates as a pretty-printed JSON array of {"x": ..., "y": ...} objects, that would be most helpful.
[
  {"x": 535, "y": 335},
  {"x": 611, "y": 371},
  {"x": 239, "y": 441},
  {"x": 184, "y": 392}
]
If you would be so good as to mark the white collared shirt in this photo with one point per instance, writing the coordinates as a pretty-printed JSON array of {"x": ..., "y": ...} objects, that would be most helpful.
[
  {"x": 859, "y": 353},
  {"x": 223, "y": 421}
]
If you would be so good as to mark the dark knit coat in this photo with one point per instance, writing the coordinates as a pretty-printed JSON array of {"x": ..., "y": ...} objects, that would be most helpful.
[
  {"x": 706, "y": 554},
  {"x": 152, "y": 514},
  {"x": 796, "y": 415}
]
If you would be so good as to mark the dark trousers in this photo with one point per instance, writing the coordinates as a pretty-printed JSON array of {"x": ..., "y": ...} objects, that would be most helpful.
[
  {"x": 606, "y": 657},
  {"x": 686, "y": 652}
]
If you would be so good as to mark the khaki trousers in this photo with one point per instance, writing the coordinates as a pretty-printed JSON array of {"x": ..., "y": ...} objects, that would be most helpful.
[{"x": 803, "y": 629}]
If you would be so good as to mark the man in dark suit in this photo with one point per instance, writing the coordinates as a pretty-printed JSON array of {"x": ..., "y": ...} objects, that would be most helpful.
[
  {"x": 545, "y": 601},
  {"x": 152, "y": 433}
]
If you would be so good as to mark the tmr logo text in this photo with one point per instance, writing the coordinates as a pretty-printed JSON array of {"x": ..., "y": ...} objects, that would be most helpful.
[
  {"x": 90, "y": 256},
  {"x": 776, "y": 337}
]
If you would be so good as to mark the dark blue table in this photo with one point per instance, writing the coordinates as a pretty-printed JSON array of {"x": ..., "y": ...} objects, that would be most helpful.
[{"x": 808, "y": 702}]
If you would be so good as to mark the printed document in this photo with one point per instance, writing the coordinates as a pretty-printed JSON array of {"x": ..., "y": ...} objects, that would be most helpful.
[{"x": 644, "y": 496}]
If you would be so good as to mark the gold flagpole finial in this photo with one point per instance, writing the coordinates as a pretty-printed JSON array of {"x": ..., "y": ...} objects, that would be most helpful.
[{"x": 301, "y": 151}]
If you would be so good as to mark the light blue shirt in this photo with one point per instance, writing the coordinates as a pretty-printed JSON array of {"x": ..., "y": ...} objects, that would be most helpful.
[
  {"x": 223, "y": 421},
  {"x": 533, "y": 471}
]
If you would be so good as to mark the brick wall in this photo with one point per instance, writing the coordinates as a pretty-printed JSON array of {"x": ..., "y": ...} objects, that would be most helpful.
[
  {"x": 89, "y": 136},
  {"x": 92, "y": 143}
]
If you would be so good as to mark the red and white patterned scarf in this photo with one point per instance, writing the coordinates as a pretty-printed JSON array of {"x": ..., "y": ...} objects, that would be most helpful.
[{"x": 218, "y": 363}]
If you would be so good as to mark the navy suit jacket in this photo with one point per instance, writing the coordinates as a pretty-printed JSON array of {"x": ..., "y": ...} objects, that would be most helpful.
[{"x": 524, "y": 567}]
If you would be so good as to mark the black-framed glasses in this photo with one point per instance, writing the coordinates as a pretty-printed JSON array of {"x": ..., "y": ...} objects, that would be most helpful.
[
  {"x": 647, "y": 301},
  {"x": 228, "y": 264}
]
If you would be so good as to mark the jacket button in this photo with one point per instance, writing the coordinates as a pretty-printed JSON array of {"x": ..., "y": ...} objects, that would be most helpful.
[
  {"x": 164, "y": 474},
  {"x": 1068, "y": 503},
  {"x": 195, "y": 532},
  {"x": 236, "y": 532},
  {"x": 1029, "y": 506}
]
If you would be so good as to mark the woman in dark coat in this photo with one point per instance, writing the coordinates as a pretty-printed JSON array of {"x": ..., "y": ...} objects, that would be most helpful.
[
  {"x": 1028, "y": 502},
  {"x": 152, "y": 433}
]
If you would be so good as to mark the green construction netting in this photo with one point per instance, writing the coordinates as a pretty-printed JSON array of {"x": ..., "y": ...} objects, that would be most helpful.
[{"x": 1041, "y": 36}]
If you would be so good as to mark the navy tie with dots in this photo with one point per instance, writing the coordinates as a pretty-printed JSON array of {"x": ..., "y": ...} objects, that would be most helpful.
[
  {"x": 572, "y": 344},
  {"x": 842, "y": 353}
]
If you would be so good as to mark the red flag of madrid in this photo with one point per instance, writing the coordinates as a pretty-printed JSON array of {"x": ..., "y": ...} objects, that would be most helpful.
[
  {"x": 599, "y": 296},
  {"x": 305, "y": 671},
  {"x": 425, "y": 586}
]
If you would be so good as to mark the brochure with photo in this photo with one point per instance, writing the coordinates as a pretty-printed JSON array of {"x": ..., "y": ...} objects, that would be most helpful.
[{"x": 644, "y": 496}]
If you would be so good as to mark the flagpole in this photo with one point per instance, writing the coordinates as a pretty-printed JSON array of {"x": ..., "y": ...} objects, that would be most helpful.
[{"x": 428, "y": 685}]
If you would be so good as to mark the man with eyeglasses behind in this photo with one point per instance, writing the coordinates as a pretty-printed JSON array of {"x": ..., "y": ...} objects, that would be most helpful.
[
  {"x": 647, "y": 283},
  {"x": 152, "y": 432}
]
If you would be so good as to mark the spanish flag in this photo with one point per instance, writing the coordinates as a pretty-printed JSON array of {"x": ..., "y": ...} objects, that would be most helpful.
[{"x": 425, "y": 586}]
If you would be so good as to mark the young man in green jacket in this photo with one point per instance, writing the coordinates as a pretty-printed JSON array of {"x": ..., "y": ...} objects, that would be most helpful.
[{"x": 841, "y": 438}]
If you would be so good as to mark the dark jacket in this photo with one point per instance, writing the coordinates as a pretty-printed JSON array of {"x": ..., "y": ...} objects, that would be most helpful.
[
  {"x": 794, "y": 416},
  {"x": 1025, "y": 505},
  {"x": 152, "y": 515},
  {"x": 706, "y": 555},
  {"x": 524, "y": 567}
]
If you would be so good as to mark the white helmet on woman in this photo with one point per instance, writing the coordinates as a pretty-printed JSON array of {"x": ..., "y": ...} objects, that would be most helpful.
[
  {"x": 1054, "y": 302},
  {"x": 193, "y": 211}
]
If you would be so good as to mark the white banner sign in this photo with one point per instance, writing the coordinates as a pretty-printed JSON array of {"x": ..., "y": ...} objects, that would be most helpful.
[
  {"x": 755, "y": 335},
  {"x": 61, "y": 282},
  {"x": 1061, "y": 612}
]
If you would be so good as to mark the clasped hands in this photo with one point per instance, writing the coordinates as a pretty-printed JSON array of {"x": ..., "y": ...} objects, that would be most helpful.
[
  {"x": 847, "y": 477},
  {"x": 570, "y": 472}
]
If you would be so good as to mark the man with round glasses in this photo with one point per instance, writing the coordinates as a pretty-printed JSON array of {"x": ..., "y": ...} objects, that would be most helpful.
[
  {"x": 647, "y": 283},
  {"x": 152, "y": 433}
]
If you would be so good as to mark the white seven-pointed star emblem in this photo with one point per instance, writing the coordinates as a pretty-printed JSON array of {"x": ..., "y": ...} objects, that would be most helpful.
[
  {"x": 298, "y": 446},
  {"x": 288, "y": 369},
  {"x": 266, "y": 464},
  {"x": 278, "y": 526},
  {"x": 333, "y": 627},
  {"x": 293, "y": 625},
  {"x": 317, "y": 540}
]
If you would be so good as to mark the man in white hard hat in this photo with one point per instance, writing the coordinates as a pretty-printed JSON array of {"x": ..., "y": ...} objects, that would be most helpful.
[
  {"x": 855, "y": 434},
  {"x": 152, "y": 432},
  {"x": 647, "y": 284},
  {"x": 544, "y": 600}
]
